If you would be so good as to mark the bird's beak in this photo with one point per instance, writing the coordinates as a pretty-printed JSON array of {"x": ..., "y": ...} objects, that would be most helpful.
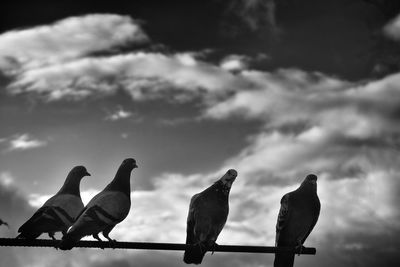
[
  {"x": 135, "y": 166},
  {"x": 87, "y": 174}
]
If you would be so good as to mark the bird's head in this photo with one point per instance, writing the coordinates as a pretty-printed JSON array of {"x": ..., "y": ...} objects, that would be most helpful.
[
  {"x": 129, "y": 163},
  {"x": 79, "y": 171},
  {"x": 228, "y": 178},
  {"x": 311, "y": 178}
]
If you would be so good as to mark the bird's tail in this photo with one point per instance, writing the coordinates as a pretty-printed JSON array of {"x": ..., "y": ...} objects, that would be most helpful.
[
  {"x": 194, "y": 254},
  {"x": 68, "y": 242},
  {"x": 28, "y": 235},
  {"x": 284, "y": 259}
]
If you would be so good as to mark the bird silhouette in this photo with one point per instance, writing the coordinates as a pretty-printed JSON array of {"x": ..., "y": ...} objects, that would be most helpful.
[
  {"x": 4, "y": 223},
  {"x": 208, "y": 212},
  {"x": 297, "y": 217},
  {"x": 59, "y": 212},
  {"x": 105, "y": 210}
]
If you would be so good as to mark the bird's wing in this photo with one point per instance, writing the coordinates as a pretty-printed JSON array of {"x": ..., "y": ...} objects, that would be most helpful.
[
  {"x": 56, "y": 213},
  {"x": 112, "y": 204},
  {"x": 190, "y": 239},
  {"x": 46, "y": 219},
  {"x": 67, "y": 205},
  {"x": 316, "y": 211},
  {"x": 106, "y": 209},
  {"x": 210, "y": 216},
  {"x": 202, "y": 228},
  {"x": 199, "y": 221},
  {"x": 283, "y": 216}
]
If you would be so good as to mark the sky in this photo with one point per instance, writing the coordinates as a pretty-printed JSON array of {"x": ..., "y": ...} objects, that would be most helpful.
[{"x": 190, "y": 89}]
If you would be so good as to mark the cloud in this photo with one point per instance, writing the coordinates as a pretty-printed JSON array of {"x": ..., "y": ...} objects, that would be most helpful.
[
  {"x": 255, "y": 16},
  {"x": 392, "y": 29},
  {"x": 124, "y": 135},
  {"x": 66, "y": 39},
  {"x": 13, "y": 206},
  {"x": 6, "y": 179},
  {"x": 14, "y": 209},
  {"x": 169, "y": 76},
  {"x": 118, "y": 114},
  {"x": 24, "y": 142},
  {"x": 234, "y": 63},
  {"x": 290, "y": 97},
  {"x": 359, "y": 192},
  {"x": 345, "y": 132}
]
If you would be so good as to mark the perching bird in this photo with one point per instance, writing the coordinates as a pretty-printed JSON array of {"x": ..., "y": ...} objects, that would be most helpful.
[
  {"x": 59, "y": 212},
  {"x": 105, "y": 210},
  {"x": 4, "y": 223},
  {"x": 297, "y": 217},
  {"x": 208, "y": 211}
]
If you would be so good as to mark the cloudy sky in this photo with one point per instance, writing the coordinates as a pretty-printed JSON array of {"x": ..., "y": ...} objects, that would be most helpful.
[{"x": 274, "y": 89}]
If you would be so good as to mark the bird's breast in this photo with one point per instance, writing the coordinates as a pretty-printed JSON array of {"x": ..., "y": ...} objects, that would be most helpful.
[
  {"x": 115, "y": 203},
  {"x": 68, "y": 203}
]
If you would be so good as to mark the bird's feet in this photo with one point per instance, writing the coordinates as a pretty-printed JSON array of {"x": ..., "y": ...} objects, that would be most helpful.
[
  {"x": 96, "y": 236},
  {"x": 112, "y": 242},
  {"x": 299, "y": 248},
  {"x": 202, "y": 247},
  {"x": 213, "y": 247},
  {"x": 51, "y": 235}
]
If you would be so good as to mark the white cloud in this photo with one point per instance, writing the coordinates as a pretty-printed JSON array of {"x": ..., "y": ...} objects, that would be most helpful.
[
  {"x": 66, "y": 39},
  {"x": 6, "y": 179},
  {"x": 124, "y": 135},
  {"x": 187, "y": 59},
  {"x": 289, "y": 97},
  {"x": 119, "y": 114},
  {"x": 143, "y": 75},
  {"x": 312, "y": 123},
  {"x": 234, "y": 63},
  {"x": 24, "y": 142},
  {"x": 392, "y": 29}
]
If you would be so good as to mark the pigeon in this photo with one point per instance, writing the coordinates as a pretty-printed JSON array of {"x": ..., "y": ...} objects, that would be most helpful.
[
  {"x": 4, "y": 223},
  {"x": 297, "y": 217},
  {"x": 104, "y": 210},
  {"x": 59, "y": 212},
  {"x": 208, "y": 212}
]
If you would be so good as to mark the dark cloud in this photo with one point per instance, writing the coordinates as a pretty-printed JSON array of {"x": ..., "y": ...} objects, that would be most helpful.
[
  {"x": 358, "y": 249},
  {"x": 14, "y": 209},
  {"x": 389, "y": 8},
  {"x": 243, "y": 18},
  {"x": 336, "y": 34},
  {"x": 344, "y": 36}
]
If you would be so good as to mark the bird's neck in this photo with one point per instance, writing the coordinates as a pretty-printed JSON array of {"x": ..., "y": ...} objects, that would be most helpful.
[
  {"x": 121, "y": 182},
  {"x": 219, "y": 186},
  {"x": 71, "y": 186},
  {"x": 308, "y": 187}
]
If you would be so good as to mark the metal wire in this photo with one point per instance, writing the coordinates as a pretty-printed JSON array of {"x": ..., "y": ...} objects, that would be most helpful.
[{"x": 150, "y": 246}]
